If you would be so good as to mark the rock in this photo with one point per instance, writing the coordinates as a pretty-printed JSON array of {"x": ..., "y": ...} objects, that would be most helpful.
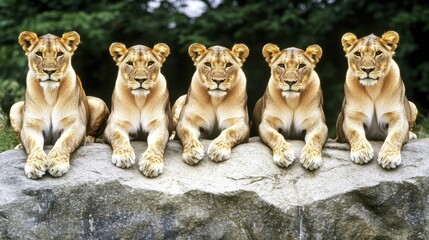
[{"x": 245, "y": 197}]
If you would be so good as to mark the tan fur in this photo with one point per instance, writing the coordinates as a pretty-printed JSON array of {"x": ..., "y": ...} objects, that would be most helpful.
[
  {"x": 375, "y": 106},
  {"x": 291, "y": 106},
  {"x": 216, "y": 103},
  {"x": 140, "y": 107},
  {"x": 56, "y": 109}
]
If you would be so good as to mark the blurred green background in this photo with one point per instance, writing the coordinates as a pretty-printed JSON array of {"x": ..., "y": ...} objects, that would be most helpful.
[{"x": 216, "y": 22}]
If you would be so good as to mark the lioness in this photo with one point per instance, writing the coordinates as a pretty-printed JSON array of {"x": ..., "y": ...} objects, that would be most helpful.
[
  {"x": 140, "y": 107},
  {"x": 291, "y": 106},
  {"x": 56, "y": 109},
  {"x": 216, "y": 103},
  {"x": 375, "y": 106}
]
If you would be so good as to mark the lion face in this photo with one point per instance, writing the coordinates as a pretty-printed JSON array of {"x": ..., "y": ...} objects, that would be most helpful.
[
  {"x": 369, "y": 57},
  {"x": 49, "y": 56},
  {"x": 139, "y": 65},
  {"x": 291, "y": 68},
  {"x": 218, "y": 66}
]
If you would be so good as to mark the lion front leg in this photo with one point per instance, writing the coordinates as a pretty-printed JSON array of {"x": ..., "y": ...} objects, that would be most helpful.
[
  {"x": 311, "y": 153},
  {"x": 220, "y": 148},
  {"x": 32, "y": 140},
  {"x": 283, "y": 153},
  {"x": 69, "y": 141},
  {"x": 123, "y": 155},
  {"x": 390, "y": 153},
  {"x": 193, "y": 150},
  {"x": 361, "y": 150},
  {"x": 151, "y": 163}
]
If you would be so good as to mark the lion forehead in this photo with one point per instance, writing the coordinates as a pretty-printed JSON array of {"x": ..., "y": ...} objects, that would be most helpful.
[
  {"x": 370, "y": 42},
  {"x": 49, "y": 42},
  {"x": 220, "y": 54},
  {"x": 291, "y": 55},
  {"x": 140, "y": 53}
]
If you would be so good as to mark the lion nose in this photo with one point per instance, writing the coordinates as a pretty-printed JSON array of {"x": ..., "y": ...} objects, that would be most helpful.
[
  {"x": 290, "y": 83},
  {"x": 140, "y": 80},
  {"x": 49, "y": 72},
  {"x": 368, "y": 70},
  {"x": 218, "y": 81}
]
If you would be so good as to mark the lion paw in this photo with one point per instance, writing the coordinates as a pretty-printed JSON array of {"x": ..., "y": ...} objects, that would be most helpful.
[
  {"x": 219, "y": 151},
  {"x": 389, "y": 158},
  {"x": 123, "y": 157},
  {"x": 151, "y": 165},
  {"x": 58, "y": 163},
  {"x": 362, "y": 154},
  {"x": 36, "y": 165},
  {"x": 310, "y": 159},
  {"x": 193, "y": 153},
  {"x": 284, "y": 155}
]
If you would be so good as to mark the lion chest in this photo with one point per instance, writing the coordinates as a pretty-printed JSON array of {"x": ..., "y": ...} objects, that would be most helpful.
[
  {"x": 53, "y": 125},
  {"x": 289, "y": 122},
  {"x": 143, "y": 121},
  {"x": 376, "y": 125},
  {"x": 375, "y": 120}
]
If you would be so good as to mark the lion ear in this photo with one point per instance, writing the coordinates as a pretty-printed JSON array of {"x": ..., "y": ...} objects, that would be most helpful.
[
  {"x": 161, "y": 51},
  {"x": 269, "y": 51},
  {"x": 241, "y": 50},
  {"x": 28, "y": 40},
  {"x": 348, "y": 41},
  {"x": 314, "y": 52},
  {"x": 390, "y": 39},
  {"x": 71, "y": 39},
  {"x": 118, "y": 51},
  {"x": 196, "y": 51}
]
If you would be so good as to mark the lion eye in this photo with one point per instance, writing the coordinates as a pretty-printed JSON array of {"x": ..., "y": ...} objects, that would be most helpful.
[
  {"x": 357, "y": 54},
  {"x": 150, "y": 63},
  {"x": 129, "y": 63},
  {"x": 39, "y": 54},
  {"x": 229, "y": 65},
  {"x": 281, "y": 65},
  {"x": 208, "y": 64},
  {"x": 378, "y": 53},
  {"x": 60, "y": 54},
  {"x": 301, "y": 66}
]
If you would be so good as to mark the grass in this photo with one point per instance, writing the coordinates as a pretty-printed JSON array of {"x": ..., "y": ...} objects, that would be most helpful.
[{"x": 8, "y": 137}]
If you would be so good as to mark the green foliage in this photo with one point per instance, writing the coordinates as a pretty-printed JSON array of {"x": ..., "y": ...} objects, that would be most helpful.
[
  {"x": 8, "y": 138},
  {"x": 422, "y": 126},
  {"x": 255, "y": 23},
  {"x": 10, "y": 92}
]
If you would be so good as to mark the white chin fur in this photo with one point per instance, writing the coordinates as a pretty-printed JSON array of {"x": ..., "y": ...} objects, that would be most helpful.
[
  {"x": 140, "y": 92},
  {"x": 368, "y": 82},
  {"x": 217, "y": 93},
  {"x": 50, "y": 85},
  {"x": 290, "y": 94}
]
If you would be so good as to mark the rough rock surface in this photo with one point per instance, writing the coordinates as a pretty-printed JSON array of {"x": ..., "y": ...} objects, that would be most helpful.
[{"x": 245, "y": 197}]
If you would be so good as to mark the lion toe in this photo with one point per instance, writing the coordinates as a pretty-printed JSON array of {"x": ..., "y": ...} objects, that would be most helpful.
[
  {"x": 193, "y": 154},
  {"x": 311, "y": 159},
  {"x": 123, "y": 158},
  {"x": 151, "y": 165},
  {"x": 219, "y": 151},
  {"x": 362, "y": 154}
]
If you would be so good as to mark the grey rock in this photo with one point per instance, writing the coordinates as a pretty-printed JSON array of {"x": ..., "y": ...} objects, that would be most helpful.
[{"x": 245, "y": 197}]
